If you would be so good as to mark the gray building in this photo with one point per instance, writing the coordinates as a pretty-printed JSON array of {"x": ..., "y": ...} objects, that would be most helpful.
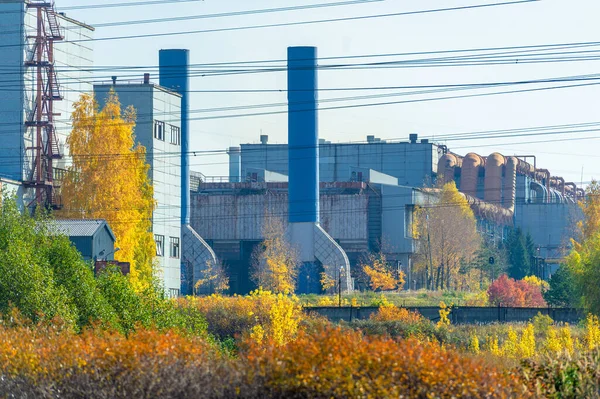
[
  {"x": 93, "y": 238},
  {"x": 413, "y": 163},
  {"x": 368, "y": 195},
  {"x": 158, "y": 128},
  {"x": 73, "y": 58}
]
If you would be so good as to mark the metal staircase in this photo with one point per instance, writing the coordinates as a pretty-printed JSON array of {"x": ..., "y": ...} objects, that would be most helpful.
[{"x": 45, "y": 147}]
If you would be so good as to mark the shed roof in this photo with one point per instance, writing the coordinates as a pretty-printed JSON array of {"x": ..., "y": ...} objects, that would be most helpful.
[{"x": 81, "y": 227}]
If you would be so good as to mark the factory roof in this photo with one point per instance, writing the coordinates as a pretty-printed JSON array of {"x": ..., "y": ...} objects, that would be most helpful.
[{"x": 81, "y": 227}]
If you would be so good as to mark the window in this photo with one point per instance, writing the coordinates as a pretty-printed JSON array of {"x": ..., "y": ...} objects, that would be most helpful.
[
  {"x": 159, "y": 130},
  {"x": 160, "y": 244},
  {"x": 173, "y": 293},
  {"x": 174, "y": 247},
  {"x": 175, "y": 135}
]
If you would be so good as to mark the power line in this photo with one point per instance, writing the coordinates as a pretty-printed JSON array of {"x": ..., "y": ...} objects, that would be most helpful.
[
  {"x": 235, "y": 13},
  {"x": 298, "y": 23}
]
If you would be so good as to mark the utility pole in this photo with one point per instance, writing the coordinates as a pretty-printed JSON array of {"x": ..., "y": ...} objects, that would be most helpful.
[
  {"x": 427, "y": 282},
  {"x": 340, "y": 286}
]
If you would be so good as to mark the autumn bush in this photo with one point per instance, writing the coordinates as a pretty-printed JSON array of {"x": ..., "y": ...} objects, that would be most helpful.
[
  {"x": 336, "y": 363},
  {"x": 506, "y": 291},
  {"x": 262, "y": 314},
  {"x": 44, "y": 361}
]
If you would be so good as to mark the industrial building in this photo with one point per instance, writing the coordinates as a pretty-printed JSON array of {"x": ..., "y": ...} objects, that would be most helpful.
[
  {"x": 158, "y": 129},
  {"x": 39, "y": 49},
  {"x": 367, "y": 192},
  {"x": 162, "y": 128}
]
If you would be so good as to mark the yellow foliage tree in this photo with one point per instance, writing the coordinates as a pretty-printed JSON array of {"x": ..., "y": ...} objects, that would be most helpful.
[
  {"x": 447, "y": 231},
  {"x": 109, "y": 180},
  {"x": 380, "y": 275},
  {"x": 213, "y": 279},
  {"x": 275, "y": 262}
]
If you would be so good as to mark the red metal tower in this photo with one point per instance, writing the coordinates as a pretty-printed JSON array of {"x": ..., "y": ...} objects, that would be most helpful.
[{"x": 44, "y": 149}]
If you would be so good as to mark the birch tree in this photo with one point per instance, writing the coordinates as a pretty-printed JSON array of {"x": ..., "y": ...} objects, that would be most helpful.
[
  {"x": 275, "y": 262},
  {"x": 448, "y": 238}
]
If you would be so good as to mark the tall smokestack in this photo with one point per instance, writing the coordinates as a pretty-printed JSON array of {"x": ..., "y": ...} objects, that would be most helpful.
[
  {"x": 303, "y": 135},
  {"x": 174, "y": 75}
]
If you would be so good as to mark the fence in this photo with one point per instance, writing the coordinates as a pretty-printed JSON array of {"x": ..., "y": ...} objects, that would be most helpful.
[{"x": 458, "y": 315}]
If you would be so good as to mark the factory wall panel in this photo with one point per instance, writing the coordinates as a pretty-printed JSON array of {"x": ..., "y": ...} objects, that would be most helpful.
[
  {"x": 394, "y": 229},
  {"x": 74, "y": 58},
  {"x": 412, "y": 164},
  {"x": 550, "y": 225},
  {"x": 12, "y": 104},
  {"x": 241, "y": 217}
]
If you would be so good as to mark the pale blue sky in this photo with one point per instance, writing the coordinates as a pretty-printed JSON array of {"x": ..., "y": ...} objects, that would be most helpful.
[{"x": 542, "y": 22}]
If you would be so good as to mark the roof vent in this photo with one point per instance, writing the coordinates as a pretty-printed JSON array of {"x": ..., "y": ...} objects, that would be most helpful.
[
  {"x": 114, "y": 79},
  {"x": 370, "y": 139},
  {"x": 146, "y": 78},
  {"x": 413, "y": 138},
  {"x": 424, "y": 141},
  {"x": 264, "y": 139}
]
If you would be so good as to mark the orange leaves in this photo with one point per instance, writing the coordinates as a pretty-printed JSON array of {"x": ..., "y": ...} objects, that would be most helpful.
[
  {"x": 337, "y": 363},
  {"x": 47, "y": 353},
  {"x": 380, "y": 275},
  {"x": 390, "y": 312}
]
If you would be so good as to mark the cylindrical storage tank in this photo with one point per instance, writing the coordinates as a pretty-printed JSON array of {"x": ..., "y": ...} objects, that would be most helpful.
[
  {"x": 493, "y": 179},
  {"x": 470, "y": 173},
  {"x": 235, "y": 164},
  {"x": 174, "y": 75},
  {"x": 446, "y": 166},
  {"x": 303, "y": 135},
  {"x": 510, "y": 182}
]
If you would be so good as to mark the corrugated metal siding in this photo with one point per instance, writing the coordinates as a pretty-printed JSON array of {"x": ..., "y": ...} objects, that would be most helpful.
[{"x": 240, "y": 217}]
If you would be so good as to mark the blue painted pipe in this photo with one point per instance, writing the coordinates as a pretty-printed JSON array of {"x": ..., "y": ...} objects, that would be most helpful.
[
  {"x": 303, "y": 135},
  {"x": 174, "y": 75}
]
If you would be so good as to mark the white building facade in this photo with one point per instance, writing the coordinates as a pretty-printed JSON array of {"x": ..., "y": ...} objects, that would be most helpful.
[{"x": 158, "y": 128}]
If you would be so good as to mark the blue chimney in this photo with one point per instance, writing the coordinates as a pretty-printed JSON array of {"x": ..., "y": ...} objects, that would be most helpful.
[
  {"x": 174, "y": 75},
  {"x": 303, "y": 135}
]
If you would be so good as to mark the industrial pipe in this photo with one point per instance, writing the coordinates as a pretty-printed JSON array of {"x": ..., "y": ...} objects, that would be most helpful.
[
  {"x": 525, "y": 160},
  {"x": 510, "y": 182},
  {"x": 546, "y": 173},
  {"x": 581, "y": 193},
  {"x": 493, "y": 178},
  {"x": 562, "y": 186},
  {"x": 573, "y": 189},
  {"x": 540, "y": 192},
  {"x": 470, "y": 173},
  {"x": 447, "y": 164}
]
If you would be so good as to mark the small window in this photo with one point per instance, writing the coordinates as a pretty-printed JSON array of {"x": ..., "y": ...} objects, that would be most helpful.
[
  {"x": 160, "y": 244},
  {"x": 173, "y": 293},
  {"x": 159, "y": 130},
  {"x": 175, "y": 135},
  {"x": 174, "y": 247}
]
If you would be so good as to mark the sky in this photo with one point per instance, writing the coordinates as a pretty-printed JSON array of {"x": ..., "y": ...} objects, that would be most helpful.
[{"x": 532, "y": 23}]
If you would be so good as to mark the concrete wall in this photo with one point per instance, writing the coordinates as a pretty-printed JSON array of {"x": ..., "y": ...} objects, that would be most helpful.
[
  {"x": 152, "y": 104},
  {"x": 461, "y": 315}
]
